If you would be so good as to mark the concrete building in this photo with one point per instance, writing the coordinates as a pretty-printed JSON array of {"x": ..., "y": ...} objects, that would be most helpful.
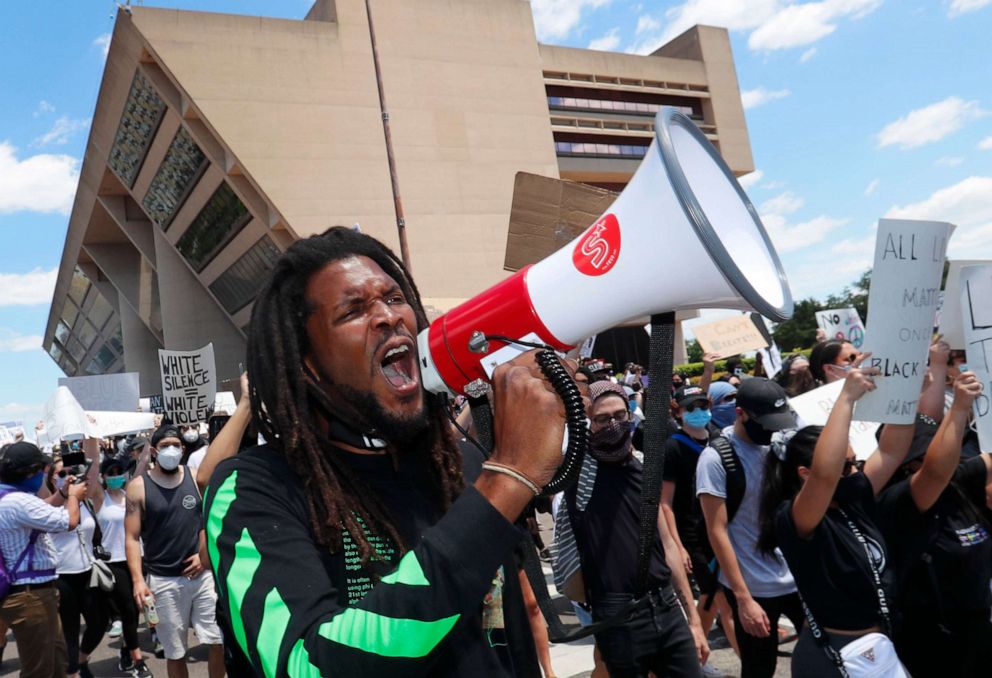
[{"x": 218, "y": 140}]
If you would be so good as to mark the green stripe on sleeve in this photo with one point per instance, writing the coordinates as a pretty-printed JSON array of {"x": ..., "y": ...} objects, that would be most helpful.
[
  {"x": 386, "y": 636},
  {"x": 246, "y": 562},
  {"x": 299, "y": 665},
  {"x": 275, "y": 619},
  {"x": 409, "y": 572},
  {"x": 225, "y": 496}
]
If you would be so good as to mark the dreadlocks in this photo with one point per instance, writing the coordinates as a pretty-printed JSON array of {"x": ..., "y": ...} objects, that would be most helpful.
[{"x": 283, "y": 405}]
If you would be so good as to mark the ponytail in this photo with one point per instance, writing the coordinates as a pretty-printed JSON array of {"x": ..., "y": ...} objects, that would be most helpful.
[{"x": 782, "y": 482}]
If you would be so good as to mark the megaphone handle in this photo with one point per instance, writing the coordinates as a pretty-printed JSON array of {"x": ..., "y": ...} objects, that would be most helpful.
[{"x": 575, "y": 422}]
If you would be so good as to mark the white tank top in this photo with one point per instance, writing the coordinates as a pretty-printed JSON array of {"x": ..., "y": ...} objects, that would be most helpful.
[
  {"x": 111, "y": 517},
  {"x": 72, "y": 559}
]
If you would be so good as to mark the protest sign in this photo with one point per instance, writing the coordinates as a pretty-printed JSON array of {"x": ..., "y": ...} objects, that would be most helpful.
[
  {"x": 905, "y": 286},
  {"x": 771, "y": 357},
  {"x": 976, "y": 307},
  {"x": 814, "y": 407},
  {"x": 189, "y": 383},
  {"x": 64, "y": 417},
  {"x": 107, "y": 424},
  {"x": 585, "y": 350},
  {"x": 6, "y": 437},
  {"x": 730, "y": 336},
  {"x": 842, "y": 323},
  {"x": 950, "y": 323},
  {"x": 112, "y": 392}
]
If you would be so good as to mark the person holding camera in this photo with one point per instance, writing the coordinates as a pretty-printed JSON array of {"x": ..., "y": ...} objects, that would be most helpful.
[
  {"x": 77, "y": 599},
  {"x": 30, "y": 607}
]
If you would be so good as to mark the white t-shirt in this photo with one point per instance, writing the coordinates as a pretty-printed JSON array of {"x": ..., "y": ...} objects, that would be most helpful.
[
  {"x": 72, "y": 559},
  {"x": 196, "y": 459},
  {"x": 111, "y": 517},
  {"x": 765, "y": 576}
]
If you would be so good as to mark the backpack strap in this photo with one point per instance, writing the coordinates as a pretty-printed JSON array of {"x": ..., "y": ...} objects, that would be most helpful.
[
  {"x": 28, "y": 553},
  {"x": 736, "y": 481},
  {"x": 692, "y": 444}
]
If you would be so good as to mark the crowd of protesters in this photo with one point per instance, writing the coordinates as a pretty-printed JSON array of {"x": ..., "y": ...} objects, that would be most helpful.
[{"x": 324, "y": 550}]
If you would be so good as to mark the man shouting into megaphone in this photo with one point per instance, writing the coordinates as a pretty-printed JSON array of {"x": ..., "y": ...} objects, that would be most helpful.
[{"x": 360, "y": 541}]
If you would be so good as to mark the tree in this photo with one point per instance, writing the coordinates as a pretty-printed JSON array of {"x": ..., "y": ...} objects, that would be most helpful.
[
  {"x": 694, "y": 351},
  {"x": 799, "y": 332}
]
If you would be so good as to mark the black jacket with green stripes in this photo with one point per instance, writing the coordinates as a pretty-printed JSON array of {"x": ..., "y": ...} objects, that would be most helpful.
[{"x": 296, "y": 610}]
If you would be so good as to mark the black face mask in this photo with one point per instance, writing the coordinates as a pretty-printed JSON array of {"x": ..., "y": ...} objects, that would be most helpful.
[
  {"x": 758, "y": 434},
  {"x": 612, "y": 443}
]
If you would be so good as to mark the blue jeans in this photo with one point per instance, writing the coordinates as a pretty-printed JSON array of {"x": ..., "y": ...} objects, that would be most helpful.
[{"x": 655, "y": 637}]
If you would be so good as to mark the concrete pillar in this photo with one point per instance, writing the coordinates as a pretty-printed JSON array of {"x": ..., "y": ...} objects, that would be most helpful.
[{"x": 140, "y": 351}]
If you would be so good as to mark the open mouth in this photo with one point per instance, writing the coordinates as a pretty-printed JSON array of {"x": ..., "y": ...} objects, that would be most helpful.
[{"x": 399, "y": 369}]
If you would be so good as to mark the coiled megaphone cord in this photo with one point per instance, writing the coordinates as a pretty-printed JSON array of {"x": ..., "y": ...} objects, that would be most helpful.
[{"x": 575, "y": 422}]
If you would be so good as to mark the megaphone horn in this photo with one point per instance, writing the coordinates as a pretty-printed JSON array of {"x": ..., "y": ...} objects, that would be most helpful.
[{"x": 662, "y": 246}]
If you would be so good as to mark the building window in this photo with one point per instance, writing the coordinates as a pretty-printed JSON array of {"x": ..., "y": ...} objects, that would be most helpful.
[
  {"x": 614, "y": 106},
  {"x": 600, "y": 150},
  {"x": 101, "y": 361},
  {"x": 219, "y": 221},
  {"x": 69, "y": 313},
  {"x": 55, "y": 351},
  {"x": 85, "y": 332},
  {"x": 116, "y": 341},
  {"x": 78, "y": 288},
  {"x": 143, "y": 112},
  {"x": 238, "y": 285},
  {"x": 62, "y": 332},
  {"x": 183, "y": 164},
  {"x": 100, "y": 312}
]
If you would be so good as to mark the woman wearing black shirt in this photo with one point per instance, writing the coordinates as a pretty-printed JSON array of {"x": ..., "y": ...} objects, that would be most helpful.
[
  {"x": 820, "y": 511},
  {"x": 936, "y": 524}
]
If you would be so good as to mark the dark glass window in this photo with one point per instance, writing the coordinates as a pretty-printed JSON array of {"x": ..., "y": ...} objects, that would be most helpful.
[
  {"x": 635, "y": 107},
  {"x": 100, "y": 312},
  {"x": 238, "y": 285},
  {"x": 101, "y": 361},
  {"x": 61, "y": 332},
  {"x": 68, "y": 365},
  {"x": 143, "y": 112},
  {"x": 55, "y": 351},
  {"x": 183, "y": 163},
  {"x": 76, "y": 350},
  {"x": 69, "y": 313},
  {"x": 116, "y": 341},
  {"x": 219, "y": 221},
  {"x": 619, "y": 150}
]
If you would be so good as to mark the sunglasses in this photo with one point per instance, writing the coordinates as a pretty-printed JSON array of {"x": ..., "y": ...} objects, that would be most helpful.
[
  {"x": 851, "y": 464},
  {"x": 605, "y": 419},
  {"x": 697, "y": 405}
]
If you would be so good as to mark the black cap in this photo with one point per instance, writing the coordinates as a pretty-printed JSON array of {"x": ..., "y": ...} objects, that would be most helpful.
[
  {"x": 689, "y": 393},
  {"x": 22, "y": 455},
  {"x": 136, "y": 443},
  {"x": 114, "y": 462},
  {"x": 163, "y": 432},
  {"x": 767, "y": 403}
]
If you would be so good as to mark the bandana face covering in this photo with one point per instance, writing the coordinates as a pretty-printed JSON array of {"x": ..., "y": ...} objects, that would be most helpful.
[
  {"x": 611, "y": 444},
  {"x": 724, "y": 414}
]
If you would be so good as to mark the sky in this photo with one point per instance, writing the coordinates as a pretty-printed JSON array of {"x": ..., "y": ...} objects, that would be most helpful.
[{"x": 856, "y": 110}]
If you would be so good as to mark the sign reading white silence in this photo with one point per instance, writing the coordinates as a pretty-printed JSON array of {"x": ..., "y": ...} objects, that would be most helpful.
[
  {"x": 976, "y": 308},
  {"x": 905, "y": 288},
  {"x": 189, "y": 383},
  {"x": 814, "y": 407},
  {"x": 842, "y": 323}
]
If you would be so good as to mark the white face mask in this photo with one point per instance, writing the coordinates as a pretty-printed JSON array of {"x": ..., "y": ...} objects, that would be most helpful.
[
  {"x": 190, "y": 435},
  {"x": 168, "y": 457}
]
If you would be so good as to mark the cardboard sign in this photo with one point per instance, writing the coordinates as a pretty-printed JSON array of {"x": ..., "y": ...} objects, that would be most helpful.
[
  {"x": 950, "y": 324},
  {"x": 976, "y": 307},
  {"x": 814, "y": 407},
  {"x": 114, "y": 392},
  {"x": 842, "y": 323},
  {"x": 730, "y": 336},
  {"x": 189, "y": 383},
  {"x": 905, "y": 288}
]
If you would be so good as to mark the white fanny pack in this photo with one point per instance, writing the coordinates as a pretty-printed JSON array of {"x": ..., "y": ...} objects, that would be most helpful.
[{"x": 872, "y": 656}]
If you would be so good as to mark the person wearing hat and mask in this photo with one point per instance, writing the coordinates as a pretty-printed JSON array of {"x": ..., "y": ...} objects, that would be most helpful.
[
  {"x": 31, "y": 606},
  {"x": 163, "y": 510},
  {"x": 606, "y": 524},
  {"x": 723, "y": 404},
  {"x": 758, "y": 587}
]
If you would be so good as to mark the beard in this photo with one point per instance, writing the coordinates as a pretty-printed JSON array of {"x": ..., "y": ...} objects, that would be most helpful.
[{"x": 370, "y": 414}]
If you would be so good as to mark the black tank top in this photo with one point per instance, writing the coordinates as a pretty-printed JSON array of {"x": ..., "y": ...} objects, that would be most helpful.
[{"x": 170, "y": 530}]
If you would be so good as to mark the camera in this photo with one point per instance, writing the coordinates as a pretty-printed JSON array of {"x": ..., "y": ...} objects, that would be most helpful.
[{"x": 74, "y": 462}]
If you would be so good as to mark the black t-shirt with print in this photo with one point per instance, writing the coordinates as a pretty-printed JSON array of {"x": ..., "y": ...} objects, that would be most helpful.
[
  {"x": 954, "y": 532},
  {"x": 681, "y": 458},
  {"x": 831, "y": 566}
]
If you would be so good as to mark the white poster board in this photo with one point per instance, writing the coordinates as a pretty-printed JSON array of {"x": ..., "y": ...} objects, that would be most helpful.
[
  {"x": 842, "y": 323},
  {"x": 64, "y": 417},
  {"x": 116, "y": 392},
  {"x": 814, "y": 407},
  {"x": 6, "y": 437},
  {"x": 905, "y": 288},
  {"x": 976, "y": 307},
  {"x": 107, "y": 424},
  {"x": 189, "y": 383},
  {"x": 729, "y": 337},
  {"x": 950, "y": 324}
]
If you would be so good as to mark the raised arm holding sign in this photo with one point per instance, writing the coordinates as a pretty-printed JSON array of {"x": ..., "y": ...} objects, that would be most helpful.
[{"x": 976, "y": 313}]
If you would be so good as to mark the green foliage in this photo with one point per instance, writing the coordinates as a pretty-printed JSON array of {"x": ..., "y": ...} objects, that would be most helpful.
[
  {"x": 799, "y": 332},
  {"x": 694, "y": 351},
  {"x": 695, "y": 369}
]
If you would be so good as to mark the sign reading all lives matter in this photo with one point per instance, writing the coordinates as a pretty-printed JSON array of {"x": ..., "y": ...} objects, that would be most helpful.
[
  {"x": 976, "y": 312},
  {"x": 842, "y": 323},
  {"x": 731, "y": 336},
  {"x": 905, "y": 290},
  {"x": 189, "y": 383}
]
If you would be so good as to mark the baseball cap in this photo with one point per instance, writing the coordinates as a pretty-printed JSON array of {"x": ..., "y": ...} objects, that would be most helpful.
[
  {"x": 767, "y": 402},
  {"x": 22, "y": 455},
  {"x": 598, "y": 389},
  {"x": 688, "y": 394},
  {"x": 163, "y": 432}
]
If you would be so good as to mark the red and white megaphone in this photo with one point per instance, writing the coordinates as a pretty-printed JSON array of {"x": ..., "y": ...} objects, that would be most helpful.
[{"x": 662, "y": 246}]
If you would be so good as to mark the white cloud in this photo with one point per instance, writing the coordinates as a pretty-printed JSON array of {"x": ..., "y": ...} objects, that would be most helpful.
[
  {"x": 985, "y": 144},
  {"x": 43, "y": 108},
  {"x": 27, "y": 289},
  {"x": 930, "y": 123},
  {"x": 555, "y": 19},
  {"x": 807, "y": 55},
  {"x": 788, "y": 237},
  {"x": 40, "y": 183},
  {"x": 29, "y": 414},
  {"x": 647, "y": 23},
  {"x": 784, "y": 203},
  {"x": 959, "y": 7},
  {"x": 949, "y": 161},
  {"x": 740, "y": 15},
  {"x": 103, "y": 42},
  {"x": 749, "y": 181},
  {"x": 62, "y": 130},
  {"x": 854, "y": 246},
  {"x": 752, "y": 98},
  {"x": 12, "y": 342},
  {"x": 798, "y": 25},
  {"x": 968, "y": 204},
  {"x": 608, "y": 42},
  {"x": 871, "y": 187}
]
